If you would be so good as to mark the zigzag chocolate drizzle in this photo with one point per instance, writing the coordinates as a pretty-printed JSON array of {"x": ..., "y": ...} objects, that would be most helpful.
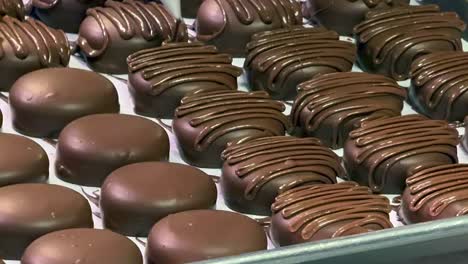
[
  {"x": 245, "y": 10},
  {"x": 13, "y": 8}
]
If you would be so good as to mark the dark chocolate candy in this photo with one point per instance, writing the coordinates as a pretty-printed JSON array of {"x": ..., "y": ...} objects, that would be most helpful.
[
  {"x": 29, "y": 211},
  {"x": 311, "y": 213},
  {"x": 190, "y": 8},
  {"x": 160, "y": 77},
  {"x": 255, "y": 171},
  {"x": 28, "y": 46},
  {"x": 91, "y": 147},
  {"x": 43, "y": 102},
  {"x": 109, "y": 34},
  {"x": 330, "y": 106},
  {"x": 383, "y": 153},
  {"x": 82, "y": 245},
  {"x": 203, "y": 234},
  {"x": 439, "y": 85},
  {"x": 459, "y": 6},
  {"x": 136, "y": 196},
  {"x": 206, "y": 123},
  {"x": 229, "y": 24},
  {"x": 13, "y": 8},
  {"x": 390, "y": 40},
  {"x": 22, "y": 160},
  {"x": 435, "y": 193},
  {"x": 277, "y": 61}
]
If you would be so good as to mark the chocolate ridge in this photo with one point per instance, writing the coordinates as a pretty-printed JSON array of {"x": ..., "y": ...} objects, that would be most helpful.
[{"x": 13, "y": 8}]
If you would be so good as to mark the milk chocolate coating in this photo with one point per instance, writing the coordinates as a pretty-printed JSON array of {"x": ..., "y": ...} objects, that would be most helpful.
[
  {"x": 206, "y": 123},
  {"x": 229, "y": 24},
  {"x": 108, "y": 35},
  {"x": 277, "y": 61},
  {"x": 29, "y": 45},
  {"x": 349, "y": 12},
  {"x": 13, "y": 8},
  {"x": 82, "y": 245},
  {"x": 330, "y": 106},
  {"x": 390, "y": 40},
  {"x": 190, "y": 8},
  {"x": 201, "y": 235},
  {"x": 90, "y": 148},
  {"x": 311, "y": 213},
  {"x": 160, "y": 77},
  {"x": 383, "y": 153},
  {"x": 135, "y": 197},
  {"x": 459, "y": 6},
  {"x": 30, "y": 211},
  {"x": 435, "y": 193},
  {"x": 255, "y": 171},
  {"x": 22, "y": 160},
  {"x": 439, "y": 85},
  {"x": 43, "y": 102}
]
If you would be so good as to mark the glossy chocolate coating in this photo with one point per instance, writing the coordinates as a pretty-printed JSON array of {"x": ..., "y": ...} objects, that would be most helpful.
[
  {"x": 82, "y": 245},
  {"x": 190, "y": 8},
  {"x": 136, "y": 196},
  {"x": 22, "y": 160},
  {"x": 229, "y": 24},
  {"x": 330, "y": 106},
  {"x": 13, "y": 8},
  {"x": 43, "y": 102},
  {"x": 255, "y": 171},
  {"x": 30, "y": 211},
  {"x": 435, "y": 193},
  {"x": 439, "y": 85},
  {"x": 160, "y": 77},
  {"x": 390, "y": 40},
  {"x": 459, "y": 6},
  {"x": 311, "y": 213},
  {"x": 91, "y": 147},
  {"x": 277, "y": 61},
  {"x": 109, "y": 34},
  {"x": 383, "y": 153},
  {"x": 203, "y": 234},
  {"x": 206, "y": 123},
  {"x": 28, "y": 46}
]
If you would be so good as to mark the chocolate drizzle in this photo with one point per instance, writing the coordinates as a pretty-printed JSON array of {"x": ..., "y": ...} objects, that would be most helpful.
[
  {"x": 13, "y": 8},
  {"x": 245, "y": 10}
]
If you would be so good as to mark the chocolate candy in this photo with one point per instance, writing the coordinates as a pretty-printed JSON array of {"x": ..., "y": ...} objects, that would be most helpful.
[
  {"x": 43, "y": 102},
  {"x": 389, "y": 40},
  {"x": 82, "y": 245},
  {"x": 203, "y": 234},
  {"x": 330, "y": 106},
  {"x": 438, "y": 88},
  {"x": 255, "y": 171},
  {"x": 22, "y": 160},
  {"x": 90, "y": 148},
  {"x": 277, "y": 61},
  {"x": 383, "y": 153},
  {"x": 459, "y": 6},
  {"x": 435, "y": 193},
  {"x": 13, "y": 8},
  {"x": 28, "y": 46},
  {"x": 311, "y": 213},
  {"x": 206, "y": 123},
  {"x": 30, "y": 211},
  {"x": 136, "y": 196},
  {"x": 189, "y": 8},
  {"x": 229, "y": 24},
  {"x": 108, "y": 35},
  {"x": 160, "y": 77}
]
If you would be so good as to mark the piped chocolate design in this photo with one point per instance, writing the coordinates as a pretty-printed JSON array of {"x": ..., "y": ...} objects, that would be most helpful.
[{"x": 13, "y": 8}]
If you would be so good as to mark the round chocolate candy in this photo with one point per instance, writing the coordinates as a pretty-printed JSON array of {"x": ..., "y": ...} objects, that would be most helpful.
[
  {"x": 30, "y": 211},
  {"x": 203, "y": 234},
  {"x": 43, "y": 102},
  {"x": 190, "y": 8},
  {"x": 13, "y": 8},
  {"x": 82, "y": 245},
  {"x": 91, "y": 147},
  {"x": 22, "y": 160},
  {"x": 255, "y": 171}
]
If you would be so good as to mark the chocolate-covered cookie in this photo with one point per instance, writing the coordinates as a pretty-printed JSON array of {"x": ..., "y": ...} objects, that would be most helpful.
[
  {"x": 390, "y": 40},
  {"x": 330, "y": 106},
  {"x": 190, "y": 8},
  {"x": 383, "y": 153},
  {"x": 206, "y": 123},
  {"x": 229, "y": 24},
  {"x": 43, "y": 102},
  {"x": 311, "y": 213},
  {"x": 255, "y": 171},
  {"x": 91, "y": 147},
  {"x": 277, "y": 61},
  {"x": 108, "y": 35},
  {"x": 160, "y": 77},
  {"x": 13, "y": 8}
]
